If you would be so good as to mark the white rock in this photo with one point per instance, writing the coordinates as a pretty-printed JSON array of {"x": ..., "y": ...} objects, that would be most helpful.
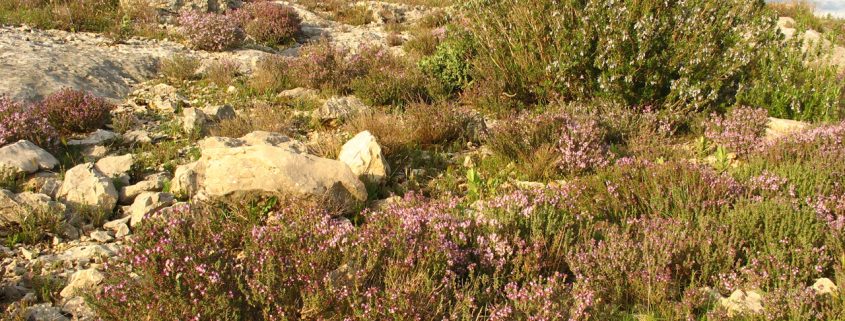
[
  {"x": 137, "y": 136},
  {"x": 147, "y": 203},
  {"x": 219, "y": 112},
  {"x": 82, "y": 280},
  {"x": 224, "y": 171},
  {"x": 116, "y": 167},
  {"x": 193, "y": 120},
  {"x": 152, "y": 183},
  {"x": 26, "y": 157},
  {"x": 84, "y": 185},
  {"x": 825, "y": 286},
  {"x": 340, "y": 108},
  {"x": 363, "y": 155},
  {"x": 742, "y": 302},
  {"x": 102, "y": 236},
  {"x": 781, "y": 127},
  {"x": 99, "y": 137},
  {"x": 45, "y": 312},
  {"x": 300, "y": 93}
]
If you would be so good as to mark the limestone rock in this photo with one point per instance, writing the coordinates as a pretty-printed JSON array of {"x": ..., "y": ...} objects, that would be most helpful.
[
  {"x": 340, "y": 108},
  {"x": 148, "y": 203},
  {"x": 193, "y": 120},
  {"x": 26, "y": 157},
  {"x": 742, "y": 302},
  {"x": 82, "y": 280},
  {"x": 220, "y": 112},
  {"x": 102, "y": 236},
  {"x": 781, "y": 127},
  {"x": 825, "y": 286},
  {"x": 223, "y": 171},
  {"x": 45, "y": 312},
  {"x": 99, "y": 137},
  {"x": 155, "y": 182},
  {"x": 176, "y": 6},
  {"x": 84, "y": 185},
  {"x": 117, "y": 167},
  {"x": 300, "y": 93},
  {"x": 43, "y": 183},
  {"x": 137, "y": 137},
  {"x": 363, "y": 155}
]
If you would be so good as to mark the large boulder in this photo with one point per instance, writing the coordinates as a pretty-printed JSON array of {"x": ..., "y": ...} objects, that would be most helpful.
[
  {"x": 26, "y": 157},
  {"x": 86, "y": 186},
  {"x": 363, "y": 155},
  {"x": 272, "y": 164}
]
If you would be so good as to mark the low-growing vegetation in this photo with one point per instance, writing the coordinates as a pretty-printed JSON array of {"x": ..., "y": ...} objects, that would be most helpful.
[{"x": 481, "y": 160}]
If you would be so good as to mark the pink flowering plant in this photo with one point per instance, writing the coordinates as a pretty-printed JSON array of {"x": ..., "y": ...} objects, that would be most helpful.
[
  {"x": 270, "y": 23},
  {"x": 211, "y": 31},
  {"x": 21, "y": 121},
  {"x": 740, "y": 130},
  {"x": 74, "y": 111}
]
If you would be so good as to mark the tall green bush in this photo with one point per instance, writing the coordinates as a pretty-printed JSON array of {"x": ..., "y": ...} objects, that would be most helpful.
[{"x": 683, "y": 54}]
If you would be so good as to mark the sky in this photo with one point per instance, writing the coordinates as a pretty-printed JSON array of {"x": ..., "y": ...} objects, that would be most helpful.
[{"x": 824, "y": 7}]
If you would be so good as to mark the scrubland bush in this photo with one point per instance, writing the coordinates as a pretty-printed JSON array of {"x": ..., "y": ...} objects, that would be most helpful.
[
  {"x": 71, "y": 15},
  {"x": 740, "y": 130},
  {"x": 450, "y": 63},
  {"x": 179, "y": 67},
  {"x": 387, "y": 80},
  {"x": 261, "y": 117},
  {"x": 21, "y": 121},
  {"x": 421, "y": 125},
  {"x": 271, "y": 75},
  {"x": 74, "y": 111},
  {"x": 322, "y": 66},
  {"x": 211, "y": 31},
  {"x": 628, "y": 51},
  {"x": 794, "y": 83},
  {"x": 223, "y": 72},
  {"x": 551, "y": 143},
  {"x": 270, "y": 23}
]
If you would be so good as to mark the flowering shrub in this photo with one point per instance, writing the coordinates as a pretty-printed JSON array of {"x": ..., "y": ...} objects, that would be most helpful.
[
  {"x": 550, "y": 143},
  {"x": 322, "y": 66},
  {"x": 740, "y": 130},
  {"x": 74, "y": 111},
  {"x": 625, "y": 50},
  {"x": 19, "y": 121},
  {"x": 211, "y": 31},
  {"x": 270, "y": 23}
]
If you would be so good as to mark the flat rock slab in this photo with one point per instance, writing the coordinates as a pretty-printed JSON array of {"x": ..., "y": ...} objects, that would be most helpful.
[{"x": 36, "y": 63}]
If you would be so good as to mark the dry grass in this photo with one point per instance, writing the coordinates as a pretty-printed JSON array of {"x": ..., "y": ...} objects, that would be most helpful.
[
  {"x": 179, "y": 67},
  {"x": 262, "y": 117}
]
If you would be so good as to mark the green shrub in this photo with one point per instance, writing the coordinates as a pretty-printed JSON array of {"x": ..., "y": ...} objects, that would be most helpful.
[
  {"x": 629, "y": 51},
  {"x": 450, "y": 63},
  {"x": 795, "y": 84}
]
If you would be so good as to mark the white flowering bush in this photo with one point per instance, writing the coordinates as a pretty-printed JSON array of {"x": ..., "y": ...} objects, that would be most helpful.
[{"x": 684, "y": 54}]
